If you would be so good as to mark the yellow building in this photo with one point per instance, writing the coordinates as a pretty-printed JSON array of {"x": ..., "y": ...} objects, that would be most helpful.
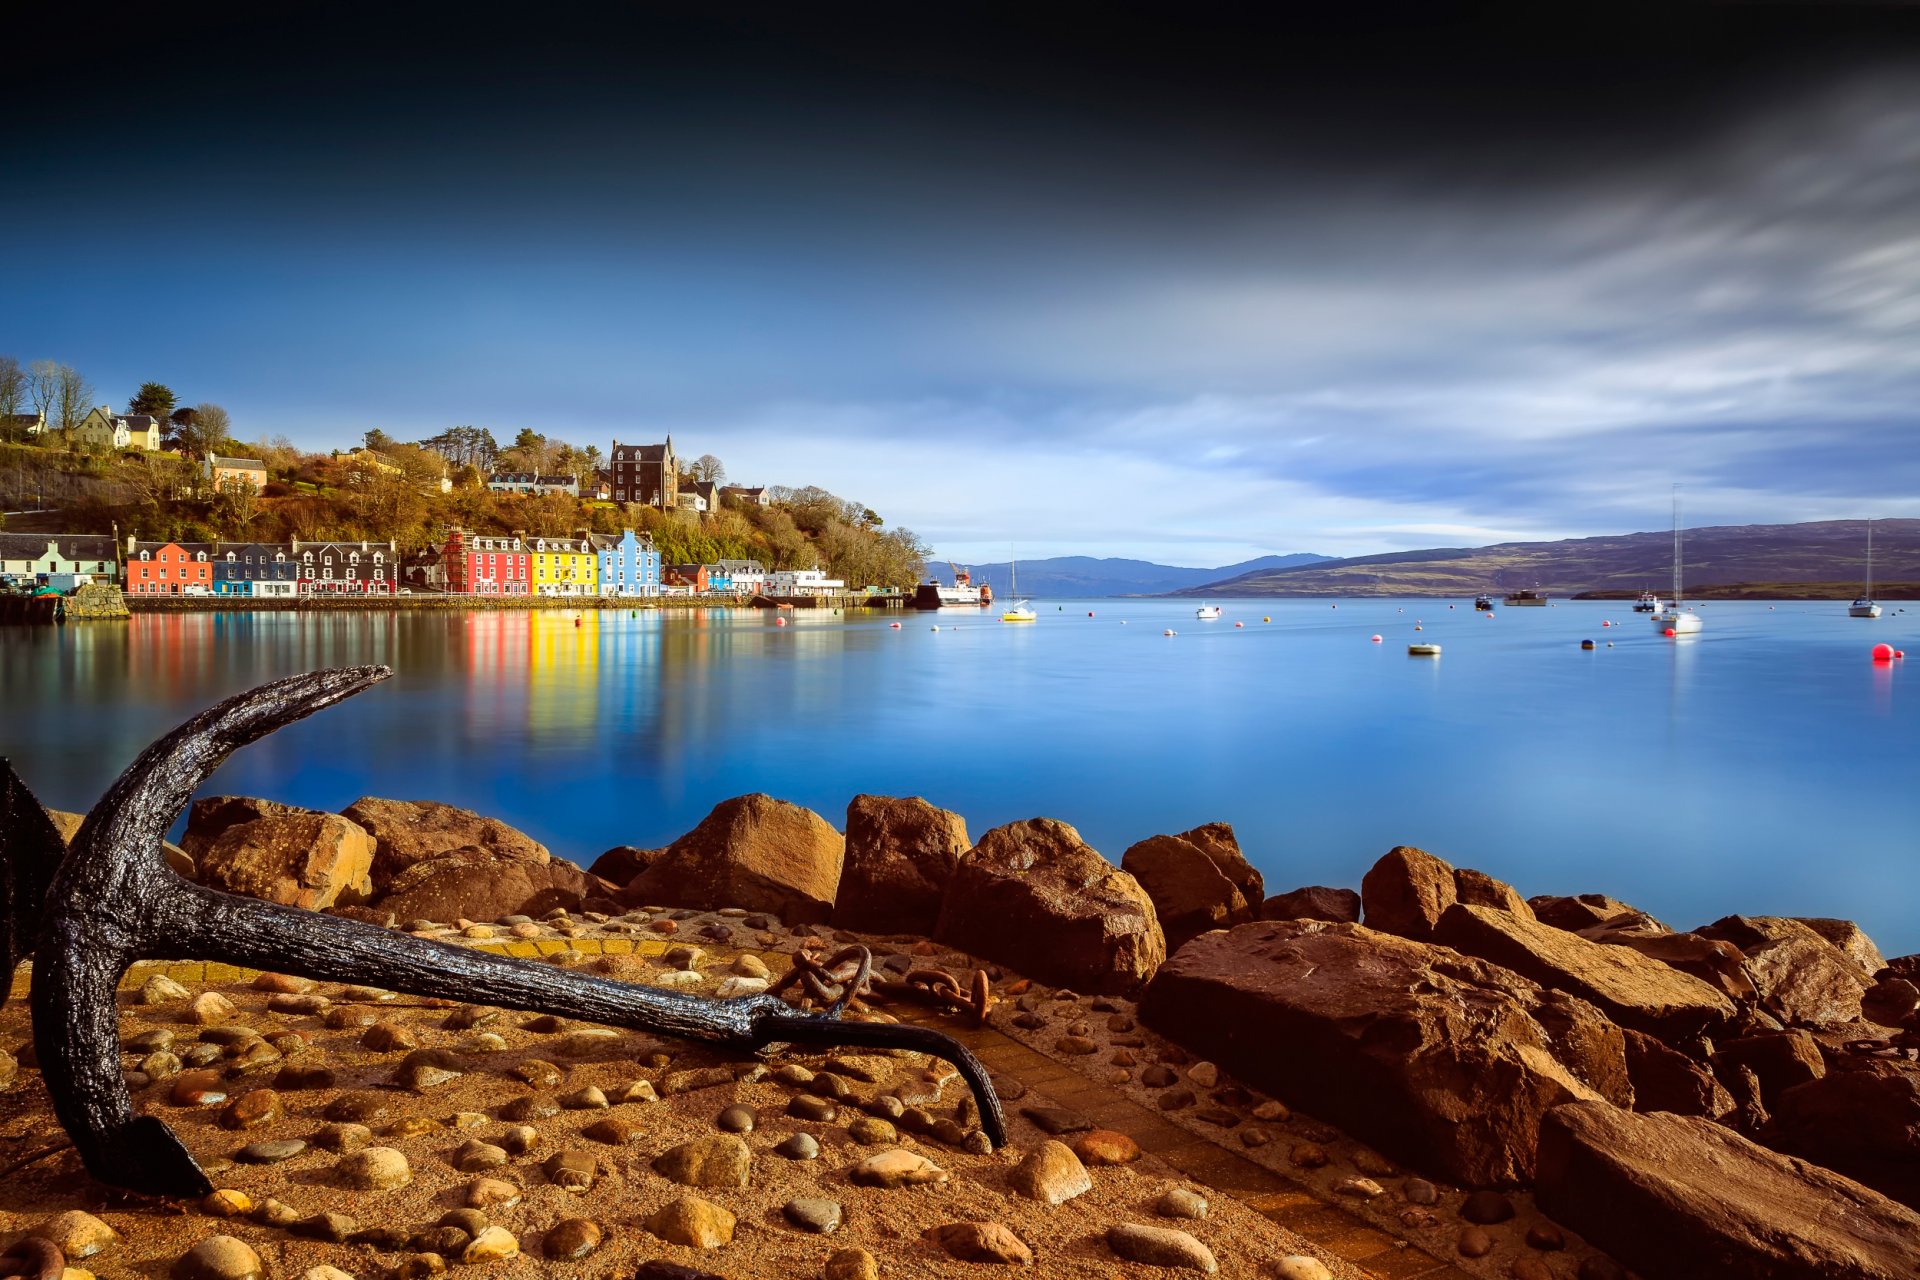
[{"x": 564, "y": 566}]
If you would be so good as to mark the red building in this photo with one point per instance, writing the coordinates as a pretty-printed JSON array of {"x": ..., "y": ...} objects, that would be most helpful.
[
  {"x": 487, "y": 564},
  {"x": 692, "y": 576},
  {"x": 168, "y": 569},
  {"x": 347, "y": 568}
]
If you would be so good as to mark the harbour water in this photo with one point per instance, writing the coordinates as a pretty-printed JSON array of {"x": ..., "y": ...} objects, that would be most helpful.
[{"x": 1766, "y": 766}]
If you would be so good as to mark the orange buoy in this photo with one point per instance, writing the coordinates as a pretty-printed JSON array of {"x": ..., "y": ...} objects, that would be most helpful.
[
  {"x": 893, "y": 625},
  {"x": 1418, "y": 627},
  {"x": 1376, "y": 639},
  {"x": 1883, "y": 653},
  {"x": 781, "y": 622},
  {"x": 1266, "y": 619}
]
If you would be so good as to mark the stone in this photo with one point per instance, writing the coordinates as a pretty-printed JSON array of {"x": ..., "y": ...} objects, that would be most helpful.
[
  {"x": 1033, "y": 896},
  {"x": 719, "y": 1160},
  {"x": 374, "y": 1169},
  {"x": 1406, "y": 892},
  {"x": 1106, "y": 1147},
  {"x": 1160, "y": 1247},
  {"x": 851, "y": 1264},
  {"x": 406, "y": 832},
  {"x": 1420, "y": 1191},
  {"x": 872, "y": 1131},
  {"x": 693, "y": 1222},
  {"x": 490, "y": 1193},
  {"x": 572, "y": 1171},
  {"x": 298, "y": 857},
  {"x": 1546, "y": 1237},
  {"x": 160, "y": 989},
  {"x": 473, "y": 1156},
  {"x": 270, "y": 1152},
  {"x": 1359, "y": 1188},
  {"x": 571, "y": 1239},
  {"x": 251, "y": 1110},
  {"x": 798, "y": 1146},
  {"x": 77, "y": 1234},
  {"x": 1778, "y": 1059},
  {"x": 208, "y": 1009},
  {"x": 813, "y": 1214},
  {"x": 201, "y": 1088},
  {"x": 623, "y": 862},
  {"x": 1889, "y": 1001},
  {"x": 219, "y": 1258},
  {"x": 751, "y": 851},
  {"x": 1181, "y": 1203},
  {"x": 469, "y": 883},
  {"x": 981, "y": 1242},
  {"x": 1050, "y": 1173},
  {"x": 591, "y": 1098},
  {"x": 1056, "y": 1120},
  {"x": 1862, "y": 1119},
  {"x": 1196, "y": 882},
  {"x": 324, "y": 1272},
  {"x": 812, "y": 1107},
  {"x": 425, "y": 1069},
  {"x": 896, "y": 1168},
  {"x": 1850, "y": 938},
  {"x": 334, "y": 1227},
  {"x": 1664, "y": 1079},
  {"x": 1629, "y": 988},
  {"x": 343, "y": 1137},
  {"x": 1679, "y": 1195},
  {"x": 1486, "y": 1208},
  {"x": 1477, "y": 888},
  {"x": 1801, "y": 976},
  {"x": 1441, "y": 1061},
  {"x": 1473, "y": 1242},
  {"x": 615, "y": 1131},
  {"x": 1298, "y": 1266},
  {"x": 1315, "y": 902},
  {"x": 386, "y": 1037},
  {"x": 1718, "y": 964},
  {"x": 1581, "y": 911},
  {"x": 491, "y": 1245},
  {"x": 900, "y": 854}
]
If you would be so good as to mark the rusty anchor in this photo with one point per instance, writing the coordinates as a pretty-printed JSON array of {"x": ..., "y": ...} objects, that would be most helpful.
[{"x": 86, "y": 912}]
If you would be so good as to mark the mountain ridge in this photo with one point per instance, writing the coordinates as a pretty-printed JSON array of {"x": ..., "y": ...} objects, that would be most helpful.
[{"x": 1096, "y": 576}]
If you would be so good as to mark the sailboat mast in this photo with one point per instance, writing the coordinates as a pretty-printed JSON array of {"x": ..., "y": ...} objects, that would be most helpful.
[
  {"x": 1676, "y": 546},
  {"x": 1869, "y": 560}
]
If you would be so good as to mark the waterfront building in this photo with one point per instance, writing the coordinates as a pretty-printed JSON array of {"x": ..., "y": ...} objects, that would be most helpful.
[
  {"x": 168, "y": 569},
  {"x": 486, "y": 564},
  {"x": 29, "y": 560},
  {"x": 424, "y": 570},
  {"x": 257, "y": 570},
  {"x": 528, "y": 482},
  {"x": 646, "y": 473},
  {"x": 347, "y": 568},
  {"x": 743, "y": 577},
  {"x": 564, "y": 566},
  {"x": 629, "y": 564},
  {"x": 689, "y": 577},
  {"x": 803, "y": 582},
  {"x": 221, "y": 472}
]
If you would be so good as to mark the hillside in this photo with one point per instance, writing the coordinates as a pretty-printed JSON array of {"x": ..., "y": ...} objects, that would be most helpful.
[
  {"x": 1090, "y": 576},
  {"x": 1829, "y": 555}
]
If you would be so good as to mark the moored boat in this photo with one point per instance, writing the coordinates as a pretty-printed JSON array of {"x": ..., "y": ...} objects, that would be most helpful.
[
  {"x": 1207, "y": 612},
  {"x": 1649, "y": 602},
  {"x": 960, "y": 593},
  {"x": 1483, "y": 602},
  {"x": 1538, "y": 598},
  {"x": 1675, "y": 619},
  {"x": 1865, "y": 607}
]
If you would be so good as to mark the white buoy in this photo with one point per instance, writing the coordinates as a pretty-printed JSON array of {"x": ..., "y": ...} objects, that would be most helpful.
[{"x": 1169, "y": 631}]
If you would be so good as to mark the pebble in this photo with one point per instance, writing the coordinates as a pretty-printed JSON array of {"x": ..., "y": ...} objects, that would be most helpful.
[
  {"x": 982, "y": 1242},
  {"x": 208, "y": 1009},
  {"x": 160, "y": 989},
  {"x": 571, "y": 1240},
  {"x": 1420, "y": 1191},
  {"x": 374, "y": 1169},
  {"x": 1204, "y": 1074},
  {"x": 226, "y": 1203},
  {"x": 896, "y": 1168},
  {"x": 1359, "y": 1188},
  {"x": 251, "y": 1110},
  {"x": 385, "y": 1037},
  {"x": 201, "y": 1088},
  {"x": 583, "y": 1043},
  {"x": 1075, "y": 1046},
  {"x": 491, "y": 1193},
  {"x": 343, "y": 1138},
  {"x": 851, "y": 1264},
  {"x": 334, "y": 1227},
  {"x": 736, "y": 1120},
  {"x": 1474, "y": 1242},
  {"x": 691, "y": 1221},
  {"x": 1177, "y": 1099},
  {"x": 817, "y": 1215},
  {"x": 1181, "y": 1203},
  {"x": 474, "y": 1156},
  {"x": 299, "y": 1005},
  {"x": 1158, "y": 1076},
  {"x": 539, "y": 1073},
  {"x": 491, "y": 1245},
  {"x": 793, "y": 1074},
  {"x": 730, "y": 988},
  {"x": 149, "y": 1041},
  {"x": 1056, "y": 1120},
  {"x": 1546, "y": 1237},
  {"x": 799, "y": 1146},
  {"x": 219, "y": 1258},
  {"x": 297, "y": 1076},
  {"x": 1160, "y": 1247},
  {"x": 570, "y": 1171},
  {"x": 751, "y": 966},
  {"x": 532, "y": 1106},
  {"x": 1298, "y": 1266},
  {"x": 872, "y": 1131},
  {"x": 1254, "y": 1136},
  {"x": 1309, "y": 1155},
  {"x": 358, "y": 1107},
  {"x": 1273, "y": 1112},
  {"x": 424, "y": 1069},
  {"x": 807, "y": 1106},
  {"x": 1486, "y": 1208},
  {"x": 638, "y": 1091},
  {"x": 520, "y": 1139},
  {"x": 324, "y": 1272},
  {"x": 344, "y": 1017},
  {"x": 273, "y": 1213},
  {"x": 1529, "y": 1269},
  {"x": 270, "y": 1152},
  {"x": 77, "y": 1234},
  {"x": 1051, "y": 1174}
]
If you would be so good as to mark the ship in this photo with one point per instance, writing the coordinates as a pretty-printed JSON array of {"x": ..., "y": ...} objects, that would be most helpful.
[
  {"x": 1521, "y": 598},
  {"x": 962, "y": 594}
]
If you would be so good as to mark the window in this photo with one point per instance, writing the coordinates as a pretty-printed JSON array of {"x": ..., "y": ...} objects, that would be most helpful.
[
  {"x": 379, "y": 575},
  {"x": 143, "y": 555},
  {"x": 307, "y": 558}
]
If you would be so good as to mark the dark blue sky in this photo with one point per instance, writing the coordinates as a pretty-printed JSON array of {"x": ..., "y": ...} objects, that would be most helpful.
[{"x": 1098, "y": 279}]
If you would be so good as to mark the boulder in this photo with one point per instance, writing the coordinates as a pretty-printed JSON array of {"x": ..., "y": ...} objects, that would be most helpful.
[
  {"x": 1679, "y": 1196},
  {"x": 752, "y": 851},
  {"x": 1217, "y": 841},
  {"x": 1801, "y": 976},
  {"x": 1407, "y": 892},
  {"x": 1779, "y": 1060},
  {"x": 477, "y": 884},
  {"x": 1582, "y": 911},
  {"x": 1849, "y": 937},
  {"x": 901, "y": 853},
  {"x": 1631, "y": 989},
  {"x": 1720, "y": 965},
  {"x": 409, "y": 831},
  {"x": 1033, "y": 896},
  {"x": 1479, "y": 889},
  {"x": 1442, "y": 1061},
  {"x": 623, "y": 862},
  {"x": 1315, "y": 902},
  {"x": 1192, "y": 891},
  {"x": 299, "y": 857},
  {"x": 211, "y": 816},
  {"x": 1861, "y": 1119},
  {"x": 1664, "y": 1079}
]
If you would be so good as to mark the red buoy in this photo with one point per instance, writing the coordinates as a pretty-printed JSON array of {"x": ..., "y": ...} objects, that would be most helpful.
[
  {"x": 781, "y": 622},
  {"x": 1376, "y": 639},
  {"x": 1883, "y": 653},
  {"x": 894, "y": 625},
  {"x": 1668, "y": 633}
]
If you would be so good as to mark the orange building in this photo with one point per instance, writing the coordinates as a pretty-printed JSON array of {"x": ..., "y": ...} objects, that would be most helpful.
[{"x": 168, "y": 569}]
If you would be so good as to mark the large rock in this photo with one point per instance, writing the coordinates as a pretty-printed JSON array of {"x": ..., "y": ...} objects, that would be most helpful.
[
  {"x": 752, "y": 851},
  {"x": 1779, "y": 1060},
  {"x": 1720, "y": 965},
  {"x": 410, "y": 831},
  {"x": 1033, "y": 896},
  {"x": 1664, "y": 1079},
  {"x": 1849, "y": 937},
  {"x": 1197, "y": 881},
  {"x": 1581, "y": 911},
  {"x": 1802, "y": 977},
  {"x": 900, "y": 855},
  {"x": 1631, "y": 989},
  {"x": 477, "y": 884},
  {"x": 299, "y": 857},
  {"x": 211, "y": 816},
  {"x": 1407, "y": 892},
  {"x": 623, "y": 862},
  {"x": 1682, "y": 1197},
  {"x": 1445, "y": 1062},
  {"x": 1315, "y": 902},
  {"x": 1863, "y": 1120}
]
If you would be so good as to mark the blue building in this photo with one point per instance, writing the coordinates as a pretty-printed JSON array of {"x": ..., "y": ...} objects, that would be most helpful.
[
  {"x": 629, "y": 565},
  {"x": 254, "y": 569}
]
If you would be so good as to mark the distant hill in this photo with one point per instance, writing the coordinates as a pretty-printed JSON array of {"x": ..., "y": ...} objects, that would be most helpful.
[
  {"x": 1087, "y": 576},
  {"x": 1831, "y": 553}
]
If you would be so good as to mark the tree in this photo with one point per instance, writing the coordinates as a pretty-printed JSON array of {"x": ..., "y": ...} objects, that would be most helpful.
[
  {"x": 709, "y": 469},
  {"x": 236, "y": 503},
  {"x": 529, "y": 440},
  {"x": 13, "y": 394},
  {"x": 155, "y": 399},
  {"x": 179, "y": 421},
  {"x": 377, "y": 440},
  {"x": 72, "y": 397},
  {"x": 205, "y": 430},
  {"x": 43, "y": 387}
]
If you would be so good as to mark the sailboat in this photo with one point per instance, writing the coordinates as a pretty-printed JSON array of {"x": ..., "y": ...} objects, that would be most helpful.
[
  {"x": 1675, "y": 619},
  {"x": 1864, "y": 607},
  {"x": 1018, "y": 610}
]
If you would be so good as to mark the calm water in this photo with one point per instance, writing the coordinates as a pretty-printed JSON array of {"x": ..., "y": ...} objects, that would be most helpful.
[{"x": 1765, "y": 766}]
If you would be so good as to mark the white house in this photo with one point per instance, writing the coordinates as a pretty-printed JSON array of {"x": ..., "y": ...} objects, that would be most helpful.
[
  {"x": 803, "y": 582},
  {"x": 744, "y": 577},
  {"x": 32, "y": 559}
]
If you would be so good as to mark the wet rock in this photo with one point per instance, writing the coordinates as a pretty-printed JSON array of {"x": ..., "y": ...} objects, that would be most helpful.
[
  {"x": 991, "y": 1242},
  {"x": 1160, "y": 1247},
  {"x": 900, "y": 854},
  {"x": 693, "y": 1222},
  {"x": 1050, "y": 1173},
  {"x": 720, "y": 1160},
  {"x": 896, "y": 1168},
  {"x": 571, "y": 1239},
  {"x": 1197, "y": 880},
  {"x": 1315, "y": 902},
  {"x": 812, "y": 1214},
  {"x": 1678, "y": 1195},
  {"x": 374, "y": 1169},
  {"x": 1035, "y": 897},
  {"x": 752, "y": 851},
  {"x": 219, "y": 1258}
]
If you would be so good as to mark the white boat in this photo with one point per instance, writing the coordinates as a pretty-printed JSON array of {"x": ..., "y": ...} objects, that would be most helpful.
[
  {"x": 1020, "y": 610},
  {"x": 1423, "y": 651},
  {"x": 1864, "y": 607},
  {"x": 1676, "y": 619},
  {"x": 1649, "y": 602},
  {"x": 1207, "y": 612}
]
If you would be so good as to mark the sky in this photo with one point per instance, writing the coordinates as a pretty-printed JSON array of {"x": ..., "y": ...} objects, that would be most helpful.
[{"x": 1149, "y": 281}]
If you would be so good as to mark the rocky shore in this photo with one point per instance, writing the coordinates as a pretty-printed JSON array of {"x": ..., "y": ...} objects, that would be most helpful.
[{"x": 1428, "y": 1076}]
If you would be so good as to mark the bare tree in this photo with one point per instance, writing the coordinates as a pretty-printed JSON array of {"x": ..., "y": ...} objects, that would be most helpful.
[
  {"x": 43, "y": 386},
  {"x": 709, "y": 469},
  {"x": 214, "y": 424},
  {"x": 13, "y": 394},
  {"x": 237, "y": 502},
  {"x": 72, "y": 397}
]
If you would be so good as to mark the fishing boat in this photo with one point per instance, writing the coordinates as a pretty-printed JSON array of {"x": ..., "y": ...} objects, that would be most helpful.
[
  {"x": 1649, "y": 602},
  {"x": 1535, "y": 598},
  {"x": 1864, "y": 607},
  {"x": 1676, "y": 619},
  {"x": 1483, "y": 602},
  {"x": 1207, "y": 612},
  {"x": 1020, "y": 610},
  {"x": 1423, "y": 651}
]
